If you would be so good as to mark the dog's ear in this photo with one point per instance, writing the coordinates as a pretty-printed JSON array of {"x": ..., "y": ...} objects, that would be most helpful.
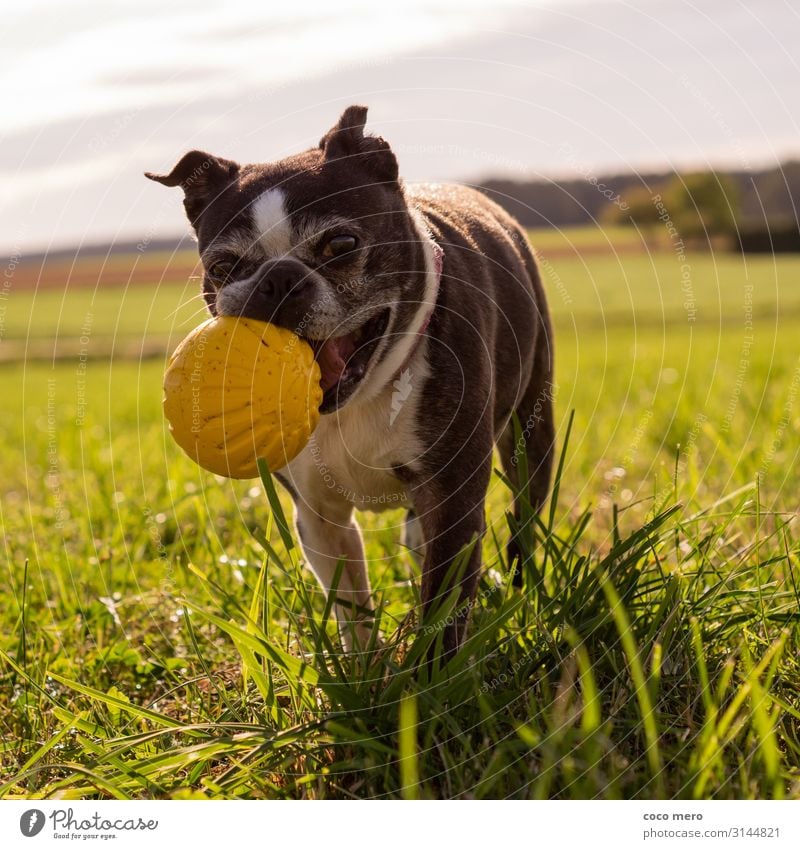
[
  {"x": 202, "y": 177},
  {"x": 346, "y": 140}
]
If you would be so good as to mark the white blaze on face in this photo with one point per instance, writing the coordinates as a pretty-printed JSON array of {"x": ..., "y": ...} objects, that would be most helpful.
[
  {"x": 272, "y": 232},
  {"x": 272, "y": 223}
]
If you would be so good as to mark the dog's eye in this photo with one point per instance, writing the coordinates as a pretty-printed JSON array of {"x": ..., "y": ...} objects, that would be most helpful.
[
  {"x": 220, "y": 271},
  {"x": 339, "y": 245}
]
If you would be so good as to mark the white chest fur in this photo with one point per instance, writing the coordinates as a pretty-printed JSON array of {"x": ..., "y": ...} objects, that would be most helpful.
[{"x": 353, "y": 452}]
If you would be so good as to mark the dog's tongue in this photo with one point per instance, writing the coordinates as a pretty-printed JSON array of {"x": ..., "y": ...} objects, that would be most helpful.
[{"x": 332, "y": 356}]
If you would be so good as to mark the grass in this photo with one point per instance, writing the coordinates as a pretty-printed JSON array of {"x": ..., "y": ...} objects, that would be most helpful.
[
  {"x": 159, "y": 637},
  {"x": 609, "y": 284},
  {"x": 581, "y": 241}
]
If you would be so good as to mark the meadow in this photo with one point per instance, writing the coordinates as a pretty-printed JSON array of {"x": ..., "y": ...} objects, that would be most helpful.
[{"x": 159, "y": 637}]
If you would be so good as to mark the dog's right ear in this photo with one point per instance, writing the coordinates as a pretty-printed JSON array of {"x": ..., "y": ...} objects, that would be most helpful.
[
  {"x": 346, "y": 140},
  {"x": 202, "y": 177}
]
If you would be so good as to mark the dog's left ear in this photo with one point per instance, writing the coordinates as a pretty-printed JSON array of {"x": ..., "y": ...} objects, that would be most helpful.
[
  {"x": 346, "y": 140},
  {"x": 202, "y": 176}
]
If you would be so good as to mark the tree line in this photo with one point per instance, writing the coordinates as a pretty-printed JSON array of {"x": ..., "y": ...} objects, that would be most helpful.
[{"x": 745, "y": 209}]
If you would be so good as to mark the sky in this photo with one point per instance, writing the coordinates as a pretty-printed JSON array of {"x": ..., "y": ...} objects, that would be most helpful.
[{"x": 98, "y": 92}]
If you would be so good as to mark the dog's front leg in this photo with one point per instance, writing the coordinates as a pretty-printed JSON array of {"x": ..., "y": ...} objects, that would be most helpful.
[
  {"x": 329, "y": 537},
  {"x": 451, "y": 511}
]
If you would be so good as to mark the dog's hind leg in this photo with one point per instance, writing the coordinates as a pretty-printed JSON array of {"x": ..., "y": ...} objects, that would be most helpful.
[
  {"x": 450, "y": 507},
  {"x": 328, "y": 537},
  {"x": 535, "y": 442}
]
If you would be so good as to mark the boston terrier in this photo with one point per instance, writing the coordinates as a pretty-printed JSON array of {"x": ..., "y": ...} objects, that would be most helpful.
[{"x": 428, "y": 319}]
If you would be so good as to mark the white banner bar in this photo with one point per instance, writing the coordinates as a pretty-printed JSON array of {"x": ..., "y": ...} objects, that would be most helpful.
[{"x": 395, "y": 825}]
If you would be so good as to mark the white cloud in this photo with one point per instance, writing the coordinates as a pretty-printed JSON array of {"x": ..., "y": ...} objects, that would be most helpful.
[{"x": 84, "y": 59}]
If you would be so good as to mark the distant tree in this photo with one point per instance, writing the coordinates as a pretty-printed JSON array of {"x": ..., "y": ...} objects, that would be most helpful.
[
  {"x": 638, "y": 208},
  {"x": 755, "y": 197},
  {"x": 702, "y": 203},
  {"x": 774, "y": 194},
  {"x": 688, "y": 206}
]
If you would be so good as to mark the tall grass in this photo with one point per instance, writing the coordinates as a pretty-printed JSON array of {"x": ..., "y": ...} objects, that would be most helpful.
[{"x": 661, "y": 665}]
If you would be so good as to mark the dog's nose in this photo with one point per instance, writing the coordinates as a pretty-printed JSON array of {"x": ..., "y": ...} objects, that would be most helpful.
[
  {"x": 279, "y": 292},
  {"x": 279, "y": 281},
  {"x": 281, "y": 278}
]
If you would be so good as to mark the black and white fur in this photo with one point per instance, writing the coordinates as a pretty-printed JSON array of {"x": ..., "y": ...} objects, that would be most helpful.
[{"x": 424, "y": 361}]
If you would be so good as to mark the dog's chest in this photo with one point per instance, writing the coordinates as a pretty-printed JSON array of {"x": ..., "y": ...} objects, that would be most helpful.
[{"x": 353, "y": 453}]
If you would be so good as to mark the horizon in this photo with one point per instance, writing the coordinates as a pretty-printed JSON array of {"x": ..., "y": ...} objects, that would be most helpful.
[{"x": 171, "y": 240}]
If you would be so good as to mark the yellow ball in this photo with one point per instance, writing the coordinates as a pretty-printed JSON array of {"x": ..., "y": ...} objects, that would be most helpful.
[{"x": 238, "y": 389}]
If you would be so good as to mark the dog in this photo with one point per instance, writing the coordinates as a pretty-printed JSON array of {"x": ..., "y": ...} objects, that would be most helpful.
[{"x": 429, "y": 322}]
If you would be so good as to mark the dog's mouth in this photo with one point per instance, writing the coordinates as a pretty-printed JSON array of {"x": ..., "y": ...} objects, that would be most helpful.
[{"x": 344, "y": 360}]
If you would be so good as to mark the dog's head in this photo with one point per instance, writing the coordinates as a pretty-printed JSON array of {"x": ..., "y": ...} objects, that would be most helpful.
[{"x": 323, "y": 243}]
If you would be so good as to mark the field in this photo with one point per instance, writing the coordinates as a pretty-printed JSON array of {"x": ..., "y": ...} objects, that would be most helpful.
[{"x": 160, "y": 638}]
